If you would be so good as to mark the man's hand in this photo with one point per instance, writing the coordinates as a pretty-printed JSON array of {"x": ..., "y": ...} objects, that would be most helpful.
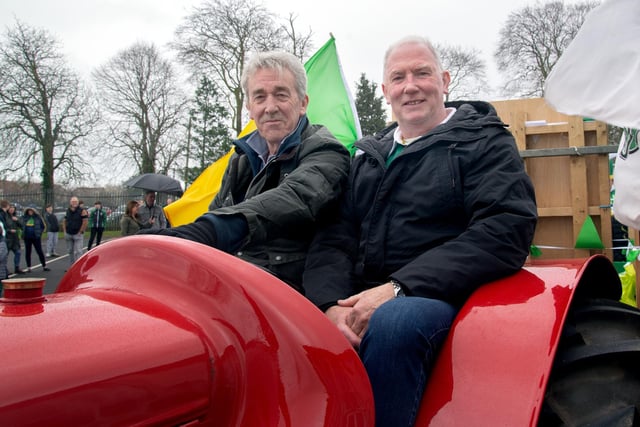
[
  {"x": 363, "y": 305},
  {"x": 199, "y": 231},
  {"x": 338, "y": 316}
]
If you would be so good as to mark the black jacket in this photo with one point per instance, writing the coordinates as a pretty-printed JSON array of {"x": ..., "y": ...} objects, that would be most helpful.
[
  {"x": 283, "y": 202},
  {"x": 453, "y": 211}
]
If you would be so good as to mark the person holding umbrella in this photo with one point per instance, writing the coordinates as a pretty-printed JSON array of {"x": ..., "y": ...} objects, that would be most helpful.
[
  {"x": 150, "y": 213},
  {"x": 281, "y": 181}
]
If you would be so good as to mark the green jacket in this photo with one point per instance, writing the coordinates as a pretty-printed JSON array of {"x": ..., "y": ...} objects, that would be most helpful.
[
  {"x": 284, "y": 201},
  {"x": 97, "y": 218}
]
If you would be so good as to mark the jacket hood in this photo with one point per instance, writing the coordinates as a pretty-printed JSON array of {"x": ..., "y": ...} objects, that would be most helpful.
[
  {"x": 469, "y": 114},
  {"x": 35, "y": 211},
  {"x": 478, "y": 112}
]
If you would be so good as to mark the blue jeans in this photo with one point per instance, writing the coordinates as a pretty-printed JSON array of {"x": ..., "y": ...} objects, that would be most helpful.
[
  {"x": 52, "y": 242},
  {"x": 398, "y": 350}
]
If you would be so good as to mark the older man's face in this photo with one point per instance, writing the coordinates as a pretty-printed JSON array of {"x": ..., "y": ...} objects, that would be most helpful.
[
  {"x": 274, "y": 104},
  {"x": 414, "y": 86},
  {"x": 150, "y": 198}
]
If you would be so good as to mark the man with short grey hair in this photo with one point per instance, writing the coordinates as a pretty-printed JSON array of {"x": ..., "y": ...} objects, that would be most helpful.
[
  {"x": 438, "y": 204},
  {"x": 282, "y": 179},
  {"x": 74, "y": 225}
]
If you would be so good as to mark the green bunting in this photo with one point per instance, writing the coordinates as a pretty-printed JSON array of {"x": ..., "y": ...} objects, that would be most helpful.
[
  {"x": 535, "y": 251},
  {"x": 588, "y": 238},
  {"x": 631, "y": 254}
]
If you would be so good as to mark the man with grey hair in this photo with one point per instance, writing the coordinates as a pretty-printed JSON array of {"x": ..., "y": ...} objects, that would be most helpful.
[
  {"x": 282, "y": 179},
  {"x": 74, "y": 225},
  {"x": 437, "y": 204}
]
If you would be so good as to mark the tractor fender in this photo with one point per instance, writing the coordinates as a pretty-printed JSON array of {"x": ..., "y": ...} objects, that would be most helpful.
[
  {"x": 496, "y": 361},
  {"x": 154, "y": 330}
]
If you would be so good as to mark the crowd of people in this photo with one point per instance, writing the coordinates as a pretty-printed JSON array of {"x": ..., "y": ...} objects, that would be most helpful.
[
  {"x": 22, "y": 233},
  {"x": 388, "y": 244}
]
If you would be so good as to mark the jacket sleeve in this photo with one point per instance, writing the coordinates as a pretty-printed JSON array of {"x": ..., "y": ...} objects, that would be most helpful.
[
  {"x": 499, "y": 201},
  {"x": 328, "y": 274},
  {"x": 315, "y": 183}
]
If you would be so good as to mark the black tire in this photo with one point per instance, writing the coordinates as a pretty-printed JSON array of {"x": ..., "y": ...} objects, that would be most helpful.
[{"x": 595, "y": 379}]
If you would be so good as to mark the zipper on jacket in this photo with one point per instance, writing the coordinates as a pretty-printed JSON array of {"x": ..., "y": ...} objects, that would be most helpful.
[{"x": 450, "y": 161}]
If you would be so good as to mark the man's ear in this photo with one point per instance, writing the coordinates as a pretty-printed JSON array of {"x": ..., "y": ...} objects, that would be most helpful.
[
  {"x": 384, "y": 92},
  {"x": 305, "y": 104},
  {"x": 446, "y": 79}
]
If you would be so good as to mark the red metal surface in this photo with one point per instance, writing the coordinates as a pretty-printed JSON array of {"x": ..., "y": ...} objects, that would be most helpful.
[
  {"x": 496, "y": 362},
  {"x": 158, "y": 331},
  {"x": 148, "y": 330},
  {"x": 22, "y": 290}
]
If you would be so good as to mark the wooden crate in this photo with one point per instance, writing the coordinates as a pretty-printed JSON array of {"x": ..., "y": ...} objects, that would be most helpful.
[{"x": 567, "y": 158}]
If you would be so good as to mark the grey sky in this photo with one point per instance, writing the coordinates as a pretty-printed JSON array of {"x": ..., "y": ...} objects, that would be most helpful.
[{"x": 93, "y": 31}]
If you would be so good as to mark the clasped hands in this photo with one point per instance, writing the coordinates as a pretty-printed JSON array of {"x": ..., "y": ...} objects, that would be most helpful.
[{"x": 352, "y": 315}]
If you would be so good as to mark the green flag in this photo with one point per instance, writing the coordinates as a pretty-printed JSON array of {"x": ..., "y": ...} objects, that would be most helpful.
[
  {"x": 330, "y": 101},
  {"x": 588, "y": 238}
]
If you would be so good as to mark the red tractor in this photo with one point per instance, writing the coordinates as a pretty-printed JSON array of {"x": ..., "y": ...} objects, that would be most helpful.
[{"x": 155, "y": 331}]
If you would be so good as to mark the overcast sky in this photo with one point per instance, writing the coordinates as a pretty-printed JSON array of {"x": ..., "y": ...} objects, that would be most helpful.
[{"x": 92, "y": 31}]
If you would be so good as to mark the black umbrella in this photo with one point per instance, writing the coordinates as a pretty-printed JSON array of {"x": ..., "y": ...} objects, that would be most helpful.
[{"x": 156, "y": 182}]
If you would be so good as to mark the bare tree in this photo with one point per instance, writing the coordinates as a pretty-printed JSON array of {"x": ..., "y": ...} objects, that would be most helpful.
[
  {"x": 468, "y": 71},
  {"x": 532, "y": 41},
  {"x": 45, "y": 111},
  {"x": 140, "y": 92},
  {"x": 300, "y": 44},
  {"x": 216, "y": 39}
]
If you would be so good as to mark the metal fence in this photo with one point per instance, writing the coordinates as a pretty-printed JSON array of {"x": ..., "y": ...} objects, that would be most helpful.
[{"x": 113, "y": 202}]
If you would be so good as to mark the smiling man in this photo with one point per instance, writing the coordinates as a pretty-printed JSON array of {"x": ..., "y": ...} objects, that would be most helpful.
[
  {"x": 437, "y": 204},
  {"x": 281, "y": 180}
]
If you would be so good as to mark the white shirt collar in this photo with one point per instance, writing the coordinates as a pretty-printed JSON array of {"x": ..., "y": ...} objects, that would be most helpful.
[{"x": 397, "y": 134}]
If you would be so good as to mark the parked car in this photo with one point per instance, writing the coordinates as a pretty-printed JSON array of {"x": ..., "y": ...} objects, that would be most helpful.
[
  {"x": 113, "y": 218},
  {"x": 60, "y": 215}
]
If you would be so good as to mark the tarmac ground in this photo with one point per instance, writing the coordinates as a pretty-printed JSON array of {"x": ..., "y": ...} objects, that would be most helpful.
[{"x": 57, "y": 265}]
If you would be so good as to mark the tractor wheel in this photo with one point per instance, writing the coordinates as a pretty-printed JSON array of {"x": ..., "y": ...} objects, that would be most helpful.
[{"x": 595, "y": 379}]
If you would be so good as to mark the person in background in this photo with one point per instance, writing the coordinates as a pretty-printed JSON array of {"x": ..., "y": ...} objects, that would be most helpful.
[
  {"x": 74, "y": 225},
  {"x": 130, "y": 222},
  {"x": 282, "y": 179},
  {"x": 33, "y": 229},
  {"x": 437, "y": 204},
  {"x": 53, "y": 228},
  {"x": 97, "y": 223},
  {"x": 13, "y": 226},
  {"x": 152, "y": 213},
  {"x": 4, "y": 252}
]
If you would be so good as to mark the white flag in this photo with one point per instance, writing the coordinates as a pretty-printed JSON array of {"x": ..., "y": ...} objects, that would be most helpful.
[{"x": 598, "y": 75}]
